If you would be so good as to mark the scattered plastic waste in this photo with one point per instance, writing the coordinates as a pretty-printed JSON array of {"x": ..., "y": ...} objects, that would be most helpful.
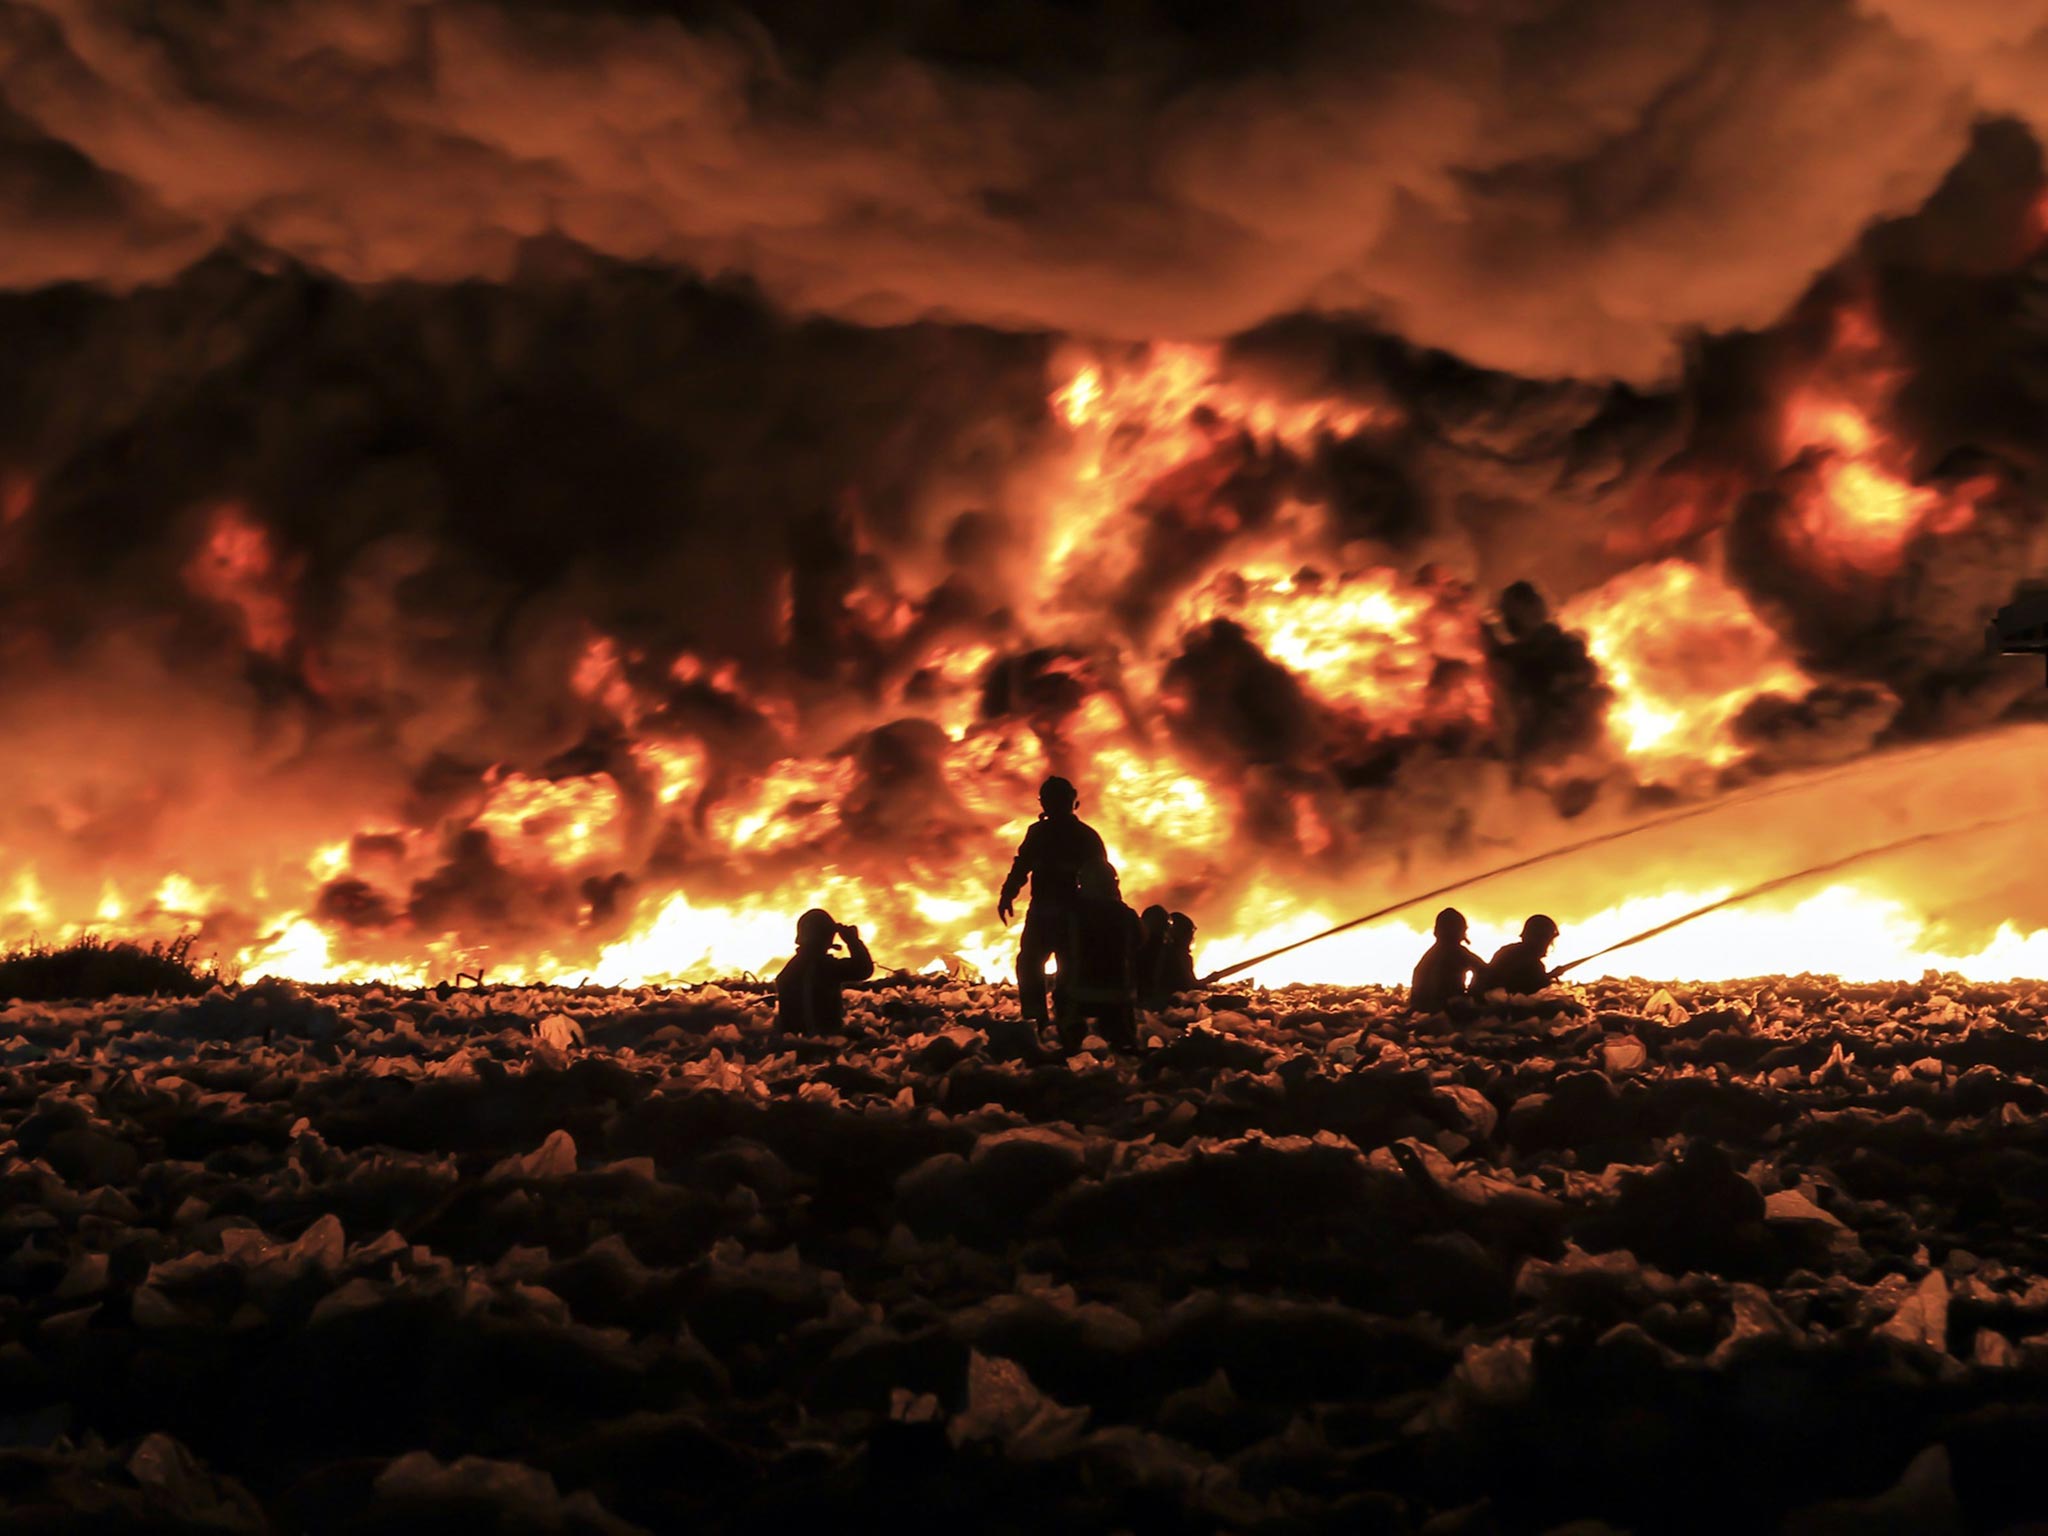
[{"x": 639, "y": 1266}]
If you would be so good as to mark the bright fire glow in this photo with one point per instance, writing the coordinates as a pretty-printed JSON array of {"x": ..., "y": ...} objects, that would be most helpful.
[
  {"x": 1859, "y": 513},
  {"x": 1132, "y": 428},
  {"x": 1365, "y": 641},
  {"x": 1684, "y": 653},
  {"x": 1860, "y": 509},
  {"x": 560, "y": 822},
  {"x": 730, "y": 800},
  {"x": 1864, "y": 936}
]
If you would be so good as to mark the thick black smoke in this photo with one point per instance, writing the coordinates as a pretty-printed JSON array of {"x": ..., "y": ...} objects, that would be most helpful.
[
  {"x": 1559, "y": 188},
  {"x": 455, "y": 489}
]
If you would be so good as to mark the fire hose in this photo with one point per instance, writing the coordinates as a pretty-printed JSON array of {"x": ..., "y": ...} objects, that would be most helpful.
[
  {"x": 1781, "y": 881},
  {"x": 1654, "y": 824}
]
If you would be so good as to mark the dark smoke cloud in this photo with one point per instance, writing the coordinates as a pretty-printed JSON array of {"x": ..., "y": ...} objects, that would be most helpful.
[
  {"x": 1552, "y": 188},
  {"x": 1229, "y": 700},
  {"x": 453, "y": 490},
  {"x": 501, "y": 324},
  {"x": 1831, "y": 724},
  {"x": 1477, "y": 462},
  {"x": 1919, "y": 631}
]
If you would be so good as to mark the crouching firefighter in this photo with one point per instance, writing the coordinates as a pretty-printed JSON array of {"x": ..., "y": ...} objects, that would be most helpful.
[{"x": 1058, "y": 844}]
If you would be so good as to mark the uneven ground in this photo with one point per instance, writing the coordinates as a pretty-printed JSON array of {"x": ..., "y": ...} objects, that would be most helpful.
[{"x": 1743, "y": 1259}]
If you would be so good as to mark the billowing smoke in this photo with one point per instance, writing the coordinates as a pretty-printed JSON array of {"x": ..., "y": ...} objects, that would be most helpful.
[
  {"x": 492, "y": 481},
  {"x": 277, "y": 539},
  {"x": 1551, "y": 188}
]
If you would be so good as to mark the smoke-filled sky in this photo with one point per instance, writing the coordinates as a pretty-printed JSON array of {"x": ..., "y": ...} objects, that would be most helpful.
[
  {"x": 1555, "y": 189},
  {"x": 359, "y": 362}
]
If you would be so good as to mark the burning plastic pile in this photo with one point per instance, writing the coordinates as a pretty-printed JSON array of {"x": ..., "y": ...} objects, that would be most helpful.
[{"x": 1704, "y": 1258}]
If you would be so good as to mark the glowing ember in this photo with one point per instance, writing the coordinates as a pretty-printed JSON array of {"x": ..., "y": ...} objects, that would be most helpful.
[{"x": 17, "y": 497}]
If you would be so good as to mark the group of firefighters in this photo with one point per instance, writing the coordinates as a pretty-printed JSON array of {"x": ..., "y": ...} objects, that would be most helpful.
[{"x": 1113, "y": 961}]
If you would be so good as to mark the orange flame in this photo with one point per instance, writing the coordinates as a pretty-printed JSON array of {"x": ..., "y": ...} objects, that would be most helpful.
[
  {"x": 559, "y": 823},
  {"x": 1365, "y": 641},
  {"x": 724, "y": 847},
  {"x": 1859, "y": 510},
  {"x": 1684, "y": 654}
]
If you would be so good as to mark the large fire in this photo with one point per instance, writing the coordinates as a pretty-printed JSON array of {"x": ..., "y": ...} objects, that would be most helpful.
[{"x": 669, "y": 856}]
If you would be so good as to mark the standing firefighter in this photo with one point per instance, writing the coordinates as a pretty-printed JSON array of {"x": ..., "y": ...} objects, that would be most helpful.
[{"x": 1051, "y": 857}]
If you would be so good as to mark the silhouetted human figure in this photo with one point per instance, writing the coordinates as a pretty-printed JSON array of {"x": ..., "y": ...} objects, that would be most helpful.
[
  {"x": 1445, "y": 968},
  {"x": 1051, "y": 857},
  {"x": 1180, "y": 960},
  {"x": 1518, "y": 967},
  {"x": 1099, "y": 963},
  {"x": 1155, "y": 951},
  {"x": 807, "y": 988}
]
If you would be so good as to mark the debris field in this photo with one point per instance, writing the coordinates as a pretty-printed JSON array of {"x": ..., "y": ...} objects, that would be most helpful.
[{"x": 1760, "y": 1257}]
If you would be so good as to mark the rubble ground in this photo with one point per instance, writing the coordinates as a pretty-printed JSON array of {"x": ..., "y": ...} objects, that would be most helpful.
[{"x": 1755, "y": 1257}]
